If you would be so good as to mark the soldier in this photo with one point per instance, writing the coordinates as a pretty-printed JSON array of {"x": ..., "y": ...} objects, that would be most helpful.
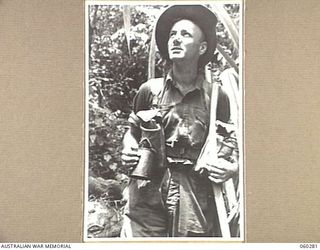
[{"x": 186, "y": 39}]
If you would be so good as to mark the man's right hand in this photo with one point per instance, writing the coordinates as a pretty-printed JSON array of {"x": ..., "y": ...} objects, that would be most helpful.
[{"x": 130, "y": 154}]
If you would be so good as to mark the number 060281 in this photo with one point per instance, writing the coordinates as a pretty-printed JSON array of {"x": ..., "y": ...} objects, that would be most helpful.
[{"x": 310, "y": 246}]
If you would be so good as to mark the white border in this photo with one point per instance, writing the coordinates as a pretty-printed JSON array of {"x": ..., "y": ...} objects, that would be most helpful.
[{"x": 241, "y": 127}]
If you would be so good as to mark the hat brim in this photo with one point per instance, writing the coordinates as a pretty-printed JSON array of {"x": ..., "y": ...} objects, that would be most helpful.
[{"x": 198, "y": 14}]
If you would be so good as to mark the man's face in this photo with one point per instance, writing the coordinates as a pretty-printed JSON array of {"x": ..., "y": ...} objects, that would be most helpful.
[{"x": 186, "y": 41}]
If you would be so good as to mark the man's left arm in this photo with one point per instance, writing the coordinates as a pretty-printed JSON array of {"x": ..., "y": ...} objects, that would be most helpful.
[{"x": 226, "y": 165}]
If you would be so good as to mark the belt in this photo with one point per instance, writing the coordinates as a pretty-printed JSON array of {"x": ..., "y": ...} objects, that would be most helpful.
[
  {"x": 179, "y": 166},
  {"x": 183, "y": 152}
]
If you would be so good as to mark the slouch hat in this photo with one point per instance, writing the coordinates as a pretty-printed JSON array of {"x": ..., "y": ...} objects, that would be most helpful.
[{"x": 205, "y": 19}]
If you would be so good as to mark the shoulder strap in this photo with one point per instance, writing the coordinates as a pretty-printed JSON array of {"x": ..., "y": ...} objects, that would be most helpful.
[{"x": 209, "y": 151}]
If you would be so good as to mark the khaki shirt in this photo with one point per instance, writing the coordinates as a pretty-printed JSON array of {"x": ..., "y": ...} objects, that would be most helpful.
[
  {"x": 185, "y": 119},
  {"x": 185, "y": 115}
]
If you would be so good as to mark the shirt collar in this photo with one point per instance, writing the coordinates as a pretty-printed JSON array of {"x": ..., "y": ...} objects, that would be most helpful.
[{"x": 199, "y": 82}]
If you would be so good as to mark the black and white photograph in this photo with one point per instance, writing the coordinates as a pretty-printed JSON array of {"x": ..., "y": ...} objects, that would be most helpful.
[{"x": 164, "y": 146}]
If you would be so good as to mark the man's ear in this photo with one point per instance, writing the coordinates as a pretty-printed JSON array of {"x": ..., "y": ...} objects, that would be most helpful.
[{"x": 203, "y": 48}]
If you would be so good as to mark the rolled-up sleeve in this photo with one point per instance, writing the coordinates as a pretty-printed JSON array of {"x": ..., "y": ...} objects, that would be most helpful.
[{"x": 142, "y": 101}]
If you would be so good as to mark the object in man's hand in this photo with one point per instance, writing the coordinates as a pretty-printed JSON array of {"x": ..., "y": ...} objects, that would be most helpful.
[
  {"x": 226, "y": 146},
  {"x": 226, "y": 141},
  {"x": 151, "y": 147}
]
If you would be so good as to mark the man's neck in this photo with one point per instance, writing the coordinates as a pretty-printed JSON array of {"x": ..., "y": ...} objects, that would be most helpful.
[{"x": 184, "y": 75}]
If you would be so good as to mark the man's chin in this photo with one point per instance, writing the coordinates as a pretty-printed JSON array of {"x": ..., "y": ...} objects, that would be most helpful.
[{"x": 176, "y": 58}]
